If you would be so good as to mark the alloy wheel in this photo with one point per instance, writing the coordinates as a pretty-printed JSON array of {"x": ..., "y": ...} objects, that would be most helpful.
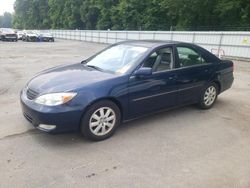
[
  {"x": 102, "y": 121},
  {"x": 210, "y": 96}
]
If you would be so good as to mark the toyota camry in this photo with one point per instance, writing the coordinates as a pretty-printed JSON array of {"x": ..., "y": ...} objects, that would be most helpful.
[{"x": 127, "y": 80}]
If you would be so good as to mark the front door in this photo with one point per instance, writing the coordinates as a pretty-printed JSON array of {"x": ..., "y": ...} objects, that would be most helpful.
[{"x": 154, "y": 92}]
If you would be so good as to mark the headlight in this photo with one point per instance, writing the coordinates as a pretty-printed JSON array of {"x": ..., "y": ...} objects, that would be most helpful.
[{"x": 55, "y": 99}]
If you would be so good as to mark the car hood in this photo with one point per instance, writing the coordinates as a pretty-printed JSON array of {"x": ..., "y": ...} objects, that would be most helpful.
[
  {"x": 32, "y": 35},
  {"x": 66, "y": 78},
  {"x": 8, "y": 33}
]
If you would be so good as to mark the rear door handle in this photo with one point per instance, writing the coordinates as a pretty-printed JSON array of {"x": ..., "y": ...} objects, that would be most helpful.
[{"x": 208, "y": 70}]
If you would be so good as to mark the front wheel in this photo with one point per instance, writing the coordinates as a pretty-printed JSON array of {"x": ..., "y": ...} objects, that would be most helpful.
[
  {"x": 100, "y": 121},
  {"x": 209, "y": 96}
]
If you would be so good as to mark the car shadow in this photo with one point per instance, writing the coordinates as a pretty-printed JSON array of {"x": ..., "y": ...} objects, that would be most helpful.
[
  {"x": 149, "y": 122},
  {"x": 67, "y": 139}
]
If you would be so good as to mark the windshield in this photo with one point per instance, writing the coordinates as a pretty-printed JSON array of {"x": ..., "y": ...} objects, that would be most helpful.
[
  {"x": 30, "y": 32},
  {"x": 43, "y": 33},
  {"x": 8, "y": 30},
  {"x": 117, "y": 59}
]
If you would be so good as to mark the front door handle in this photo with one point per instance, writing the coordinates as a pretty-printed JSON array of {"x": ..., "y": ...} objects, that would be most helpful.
[{"x": 173, "y": 77}]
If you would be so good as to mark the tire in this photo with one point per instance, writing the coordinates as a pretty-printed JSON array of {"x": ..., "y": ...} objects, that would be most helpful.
[
  {"x": 100, "y": 120},
  {"x": 209, "y": 96}
]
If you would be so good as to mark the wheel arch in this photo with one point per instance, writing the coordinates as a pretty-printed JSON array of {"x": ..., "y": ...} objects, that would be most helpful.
[{"x": 218, "y": 84}]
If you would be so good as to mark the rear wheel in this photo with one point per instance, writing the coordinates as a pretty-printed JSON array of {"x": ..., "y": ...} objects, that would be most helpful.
[
  {"x": 209, "y": 96},
  {"x": 100, "y": 121}
]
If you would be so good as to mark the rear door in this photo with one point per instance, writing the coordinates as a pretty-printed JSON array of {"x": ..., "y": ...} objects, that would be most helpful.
[{"x": 193, "y": 72}]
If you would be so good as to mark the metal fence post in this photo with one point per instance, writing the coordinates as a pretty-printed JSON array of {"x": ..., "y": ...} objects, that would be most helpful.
[
  {"x": 220, "y": 43},
  {"x": 154, "y": 35},
  {"x": 91, "y": 35},
  {"x": 193, "y": 40},
  {"x": 99, "y": 36},
  {"x": 107, "y": 37}
]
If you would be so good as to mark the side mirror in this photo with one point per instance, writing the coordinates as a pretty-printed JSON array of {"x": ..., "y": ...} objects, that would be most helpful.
[{"x": 143, "y": 71}]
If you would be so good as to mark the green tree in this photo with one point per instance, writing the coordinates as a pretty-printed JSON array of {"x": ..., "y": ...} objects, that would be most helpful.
[
  {"x": 31, "y": 14},
  {"x": 71, "y": 14},
  {"x": 233, "y": 13},
  {"x": 90, "y": 13},
  {"x": 6, "y": 20},
  {"x": 56, "y": 8},
  {"x": 133, "y": 14},
  {"x": 104, "y": 21}
]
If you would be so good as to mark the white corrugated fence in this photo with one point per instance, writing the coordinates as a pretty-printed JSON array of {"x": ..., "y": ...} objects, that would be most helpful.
[{"x": 234, "y": 44}]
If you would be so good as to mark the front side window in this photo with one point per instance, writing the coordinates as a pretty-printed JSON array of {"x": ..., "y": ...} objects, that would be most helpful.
[
  {"x": 189, "y": 57},
  {"x": 117, "y": 59},
  {"x": 160, "y": 60}
]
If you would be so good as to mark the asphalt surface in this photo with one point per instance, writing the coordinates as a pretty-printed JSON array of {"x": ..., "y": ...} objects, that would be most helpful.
[{"x": 185, "y": 147}]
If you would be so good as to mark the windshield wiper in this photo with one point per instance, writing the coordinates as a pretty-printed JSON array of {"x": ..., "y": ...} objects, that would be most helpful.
[
  {"x": 94, "y": 67},
  {"x": 83, "y": 62}
]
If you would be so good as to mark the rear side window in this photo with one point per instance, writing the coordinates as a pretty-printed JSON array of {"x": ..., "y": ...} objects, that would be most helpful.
[{"x": 189, "y": 57}]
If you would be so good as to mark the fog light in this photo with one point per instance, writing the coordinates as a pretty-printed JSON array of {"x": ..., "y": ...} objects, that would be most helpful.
[{"x": 47, "y": 127}]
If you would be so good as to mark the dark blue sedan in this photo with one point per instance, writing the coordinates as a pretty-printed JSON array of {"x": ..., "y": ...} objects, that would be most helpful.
[{"x": 124, "y": 81}]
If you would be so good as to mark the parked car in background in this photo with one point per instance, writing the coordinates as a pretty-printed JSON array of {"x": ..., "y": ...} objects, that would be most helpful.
[
  {"x": 8, "y": 34},
  {"x": 30, "y": 36},
  {"x": 45, "y": 36},
  {"x": 20, "y": 35},
  {"x": 122, "y": 82}
]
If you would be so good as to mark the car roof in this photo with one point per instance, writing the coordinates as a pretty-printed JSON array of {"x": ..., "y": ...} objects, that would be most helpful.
[{"x": 150, "y": 43}]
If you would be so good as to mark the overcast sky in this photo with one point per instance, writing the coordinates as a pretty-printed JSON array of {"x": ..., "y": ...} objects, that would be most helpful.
[{"x": 6, "y": 6}]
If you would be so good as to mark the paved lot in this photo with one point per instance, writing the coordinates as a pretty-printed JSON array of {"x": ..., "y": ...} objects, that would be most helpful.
[{"x": 185, "y": 147}]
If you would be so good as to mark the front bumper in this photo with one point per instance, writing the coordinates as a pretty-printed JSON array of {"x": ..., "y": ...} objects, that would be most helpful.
[
  {"x": 10, "y": 37},
  {"x": 46, "y": 39},
  {"x": 65, "y": 118},
  {"x": 32, "y": 38}
]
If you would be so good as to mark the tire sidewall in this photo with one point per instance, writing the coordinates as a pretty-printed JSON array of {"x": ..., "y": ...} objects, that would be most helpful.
[
  {"x": 84, "y": 127},
  {"x": 202, "y": 102}
]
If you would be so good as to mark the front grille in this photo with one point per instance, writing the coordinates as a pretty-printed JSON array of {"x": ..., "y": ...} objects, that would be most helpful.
[
  {"x": 10, "y": 35},
  {"x": 32, "y": 38},
  {"x": 31, "y": 94},
  {"x": 30, "y": 119}
]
